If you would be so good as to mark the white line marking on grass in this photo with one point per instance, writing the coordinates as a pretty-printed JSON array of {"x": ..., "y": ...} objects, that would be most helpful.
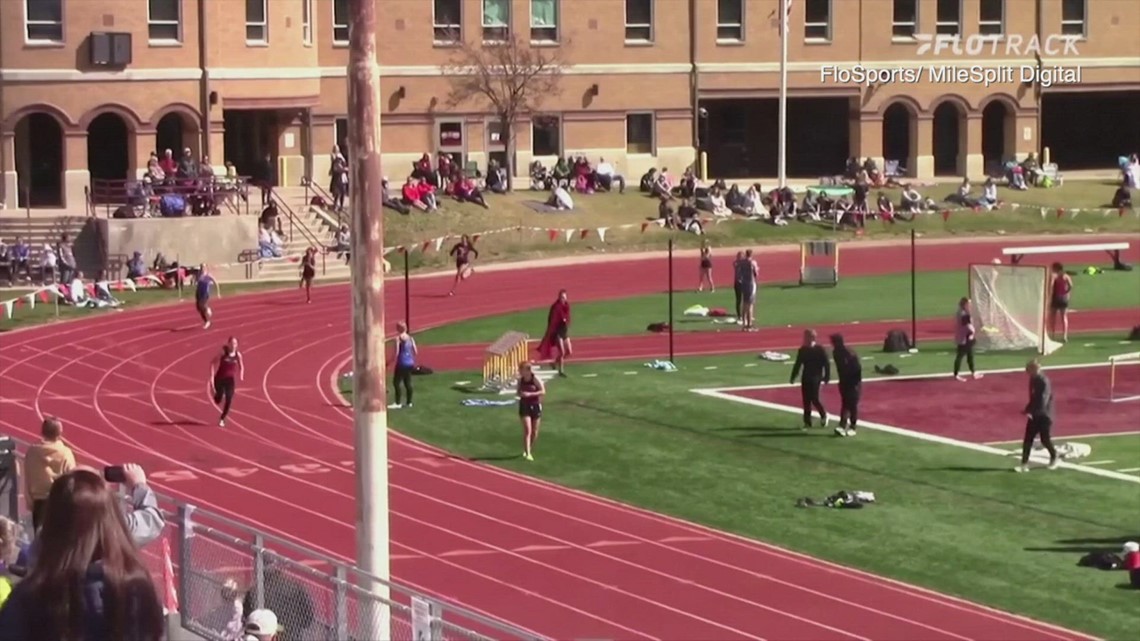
[
  {"x": 1129, "y": 470},
  {"x": 462, "y": 383},
  {"x": 1072, "y": 438},
  {"x": 723, "y": 393},
  {"x": 1099, "y": 462},
  {"x": 1123, "y": 342},
  {"x": 630, "y": 373},
  {"x": 589, "y": 375},
  {"x": 710, "y": 367},
  {"x": 750, "y": 364}
]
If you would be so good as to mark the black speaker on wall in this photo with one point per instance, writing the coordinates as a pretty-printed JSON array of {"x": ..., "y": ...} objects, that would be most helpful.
[{"x": 110, "y": 49}]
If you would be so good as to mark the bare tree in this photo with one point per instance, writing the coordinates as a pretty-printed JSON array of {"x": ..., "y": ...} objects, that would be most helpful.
[{"x": 511, "y": 78}]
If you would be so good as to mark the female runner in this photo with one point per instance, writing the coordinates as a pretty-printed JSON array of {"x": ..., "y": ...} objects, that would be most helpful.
[
  {"x": 463, "y": 251},
  {"x": 308, "y": 272},
  {"x": 1060, "y": 290},
  {"x": 531, "y": 392},
  {"x": 226, "y": 369},
  {"x": 965, "y": 337},
  {"x": 706, "y": 277},
  {"x": 202, "y": 295},
  {"x": 557, "y": 334},
  {"x": 405, "y": 363}
]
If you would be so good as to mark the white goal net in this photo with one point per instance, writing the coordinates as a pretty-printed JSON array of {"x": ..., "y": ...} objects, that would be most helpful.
[{"x": 1009, "y": 307}]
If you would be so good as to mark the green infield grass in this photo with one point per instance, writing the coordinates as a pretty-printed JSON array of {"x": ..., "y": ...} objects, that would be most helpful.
[
  {"x": 781, "y": 304},
  {"x": 949, "y": 518}
]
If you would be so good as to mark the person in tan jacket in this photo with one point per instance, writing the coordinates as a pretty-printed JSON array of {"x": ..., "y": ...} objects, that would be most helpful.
[{"x": 43, "y": 464}]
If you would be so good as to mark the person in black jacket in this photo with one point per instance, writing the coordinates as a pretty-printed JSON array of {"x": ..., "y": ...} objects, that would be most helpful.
[
  {"x": 287, "y": 597},
  {"x": 1039, "y": 417},
  {"x": 812, "y": 359},
  {"x": 850, "y": 372}
]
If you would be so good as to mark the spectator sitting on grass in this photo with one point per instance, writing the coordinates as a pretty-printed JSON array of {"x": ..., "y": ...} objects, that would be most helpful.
[
  {"x": 419, "y": 194},
  {"x": 989, "y": 198},
  {"x": 389, "y": 201},
  {"x": 103, "y": 291},
  {"x": 911, "y": 201},
  {"x": 560, "y": 199},
  {"x": 88, "y": 581},
  {"x": 886, "y": 207},
  {"x": 607, "y": 177},
  {"x": 496, "y": 178},
  {"x": 136, "y": 266},
  {"x": 76, "y": 292},
  {"x": 962, "y": 195},
  {"x": 466, "y": 191}
]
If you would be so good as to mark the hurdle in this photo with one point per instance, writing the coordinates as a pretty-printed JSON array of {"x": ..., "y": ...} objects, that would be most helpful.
[
  {"x": 819, "y": 262},
  {"x": 501, "y": 361}
]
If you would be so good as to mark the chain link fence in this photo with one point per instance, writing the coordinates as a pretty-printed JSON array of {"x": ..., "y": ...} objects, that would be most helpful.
[{"x": 212, "y": 571}]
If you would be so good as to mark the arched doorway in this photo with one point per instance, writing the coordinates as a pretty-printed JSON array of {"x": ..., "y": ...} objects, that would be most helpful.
[
  {"x": 108, "y": 148},
  {"x": 947, "y": 139},
  {"x": 176, "y": 131},
  {"x": 898, "y": 143},
  {"x": 39, "y": 161},
  {"x": 997, "y": 135}
]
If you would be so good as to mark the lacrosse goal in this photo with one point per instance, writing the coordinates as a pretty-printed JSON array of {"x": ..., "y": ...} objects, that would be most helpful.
[{"x": 1010, "y": 307}]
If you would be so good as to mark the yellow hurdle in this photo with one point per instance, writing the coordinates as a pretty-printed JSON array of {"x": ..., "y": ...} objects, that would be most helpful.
[{"x": 502, "y": 358}]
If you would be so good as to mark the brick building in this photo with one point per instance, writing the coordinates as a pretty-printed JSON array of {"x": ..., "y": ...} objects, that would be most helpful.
[{"x": 647, "y": 82}]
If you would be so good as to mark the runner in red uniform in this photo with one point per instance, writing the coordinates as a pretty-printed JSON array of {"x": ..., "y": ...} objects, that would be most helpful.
[
  {"x": 1060, "y": 289},
  {"x": 531, "y": 392},
  {"x": 463, "y": 251},
  {"x": 557, "y": 336},
  {"x": 226, "y": 369}
]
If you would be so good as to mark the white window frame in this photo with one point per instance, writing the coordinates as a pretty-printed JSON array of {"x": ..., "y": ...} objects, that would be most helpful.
[
  {"x": 1083, "y": 23},
  {"x": 306, "y": 22},
  {"x": 648, "y": 27},
  {"x": 738, "y": 26},
  {"x": 561, "y": 151},
  {"x": 447, "y": 33},
  {"x": 28, "y": 23},
  {"x": 652, "y": 133},
  {"x": 556, "y": 27},
  {"x": 263, "y": 24},
  {"x": 991, "y": 27},
  {"x": 912, "y": 25},
  {"x": 151, "y": 22},
  {"x": 489, "y": 28},
  {"x": 940, "y": 24},
  {"x": 338, "y": 27},
  {"x": 816, "y": 25}
]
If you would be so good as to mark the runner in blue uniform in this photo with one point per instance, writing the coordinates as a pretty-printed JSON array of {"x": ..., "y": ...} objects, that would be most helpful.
[{"x": 202, "y": 295}]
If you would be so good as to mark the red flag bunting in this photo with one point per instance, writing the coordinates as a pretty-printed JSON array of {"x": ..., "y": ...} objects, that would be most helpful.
[
  {"x": 977, "y": 209},
  {"x": 90, "y": 288},
  {"x": 1060, "y": 212},
  {"x": 119, "y": 285},
  {"x": 1121, "y": 212},
  {"x": 945, "y": 215},
  {"x": 424, "y": 247},
  {"x": 644, "y": 226},
  {"x": 43, "y": 295},
  {"x": 294, "y": 259},
  {"x": 400, "y": 249},
  {"x": 181, "y": 274},
  {"x": 18, "y": 302},
  {"x": 582, "y": 235},
  {"x": 475, "y": 238},
  {"x": 552, "y": 233}
]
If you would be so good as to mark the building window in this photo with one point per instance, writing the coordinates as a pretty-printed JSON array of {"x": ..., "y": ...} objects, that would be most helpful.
[
  {"x": 340, "y": 22},
  {"x": 496, "y": 20},
  {"x": 991, "y": 17},
  {"x": 639, "y": 133},
  {"x": 447, "y": 22},
  {"x": 817, "y": 20},
  {"x": 639, "y": 20},
  {"x": 306, "y": 21},
  {"x": 164, "y": 20},
  {"x": 43, "y": 20},
  {"x": 1074, "y": 17},
  {"x": 546, "y": 136},
  {"x": 904, "y": 24},
  {"x": 257, "y": 20},
  {"x": 948, "y": 20},
  {"x": 544, "y": 20},
  {"x": 729, "y": 20}
]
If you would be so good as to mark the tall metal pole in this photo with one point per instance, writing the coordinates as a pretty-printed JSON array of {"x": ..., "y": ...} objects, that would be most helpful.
[
  {"x": 782, "y": 150},
  {"x": 408, "y": 288},
  {"x": 913, "y": 290},
  {"x": 369, "y": 394},
  {"x": 671, "y": 299}
]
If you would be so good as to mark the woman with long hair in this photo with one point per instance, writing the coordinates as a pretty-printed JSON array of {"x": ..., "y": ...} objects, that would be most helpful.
[
  {"x": 227, "y": 369},
  {"x": 557, "y": 336},
  {"x": 308, "y": 272},
  {"x": 1060, "y": 288},
  {"x": 463, "y": 251},
  {"x": 88, "y": 581},
  {"x": 850, "y": 372},
  {"x": 531, "y": 392},
  {"x": 405, "y": 359},
  {"x": 965, "y": 336},
  {"x": 706, "y": 268}
]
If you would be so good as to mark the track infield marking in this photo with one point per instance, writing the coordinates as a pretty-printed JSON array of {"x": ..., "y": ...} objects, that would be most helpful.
[{"x": 725, "y": 394}]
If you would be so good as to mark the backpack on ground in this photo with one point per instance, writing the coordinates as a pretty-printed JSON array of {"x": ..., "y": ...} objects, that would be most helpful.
[{"x": 896, "y": 341}]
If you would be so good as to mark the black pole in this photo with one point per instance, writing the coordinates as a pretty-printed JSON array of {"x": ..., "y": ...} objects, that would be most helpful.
[
  {"x": 670, "y": 299},
  {"x": 913, "y": 289},
  {"x": 408, "y": 288}
]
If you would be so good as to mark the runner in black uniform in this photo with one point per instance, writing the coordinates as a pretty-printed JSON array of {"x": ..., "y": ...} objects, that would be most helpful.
[
  {"x": 812, "y": 359},
  {"x": 226, "y": 370},
  {"x": 531, "y": 391},
  {"x": 308, "y": 272},
  {"x": 850, "y": 372},
  {"x": 463, "y": 251}
]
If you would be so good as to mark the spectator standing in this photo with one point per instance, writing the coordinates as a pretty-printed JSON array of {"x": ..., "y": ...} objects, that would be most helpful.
[
  {"x": 65, "y": 251},
  {"x": 261, "y": 625},
  {"x": 89, "y": 582},
  {"x": 45, "y": 462}
]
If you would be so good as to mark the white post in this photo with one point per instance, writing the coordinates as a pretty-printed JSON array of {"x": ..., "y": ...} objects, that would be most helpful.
[{"x": 782, "y": 149}]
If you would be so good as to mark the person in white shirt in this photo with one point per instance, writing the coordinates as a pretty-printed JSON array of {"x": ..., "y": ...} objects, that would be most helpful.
[
  {"x": 48, "y": 263},
  {"x": 912, "y": 201},
  {"x": 719, "y": 208},
  {"x": 261, "y": 625},
  {"x": 607, "y": 176},
  {"x": 76, "y": 293},
  {"x": 989, "y": 198},
  {"x": 560, "y": 199}
]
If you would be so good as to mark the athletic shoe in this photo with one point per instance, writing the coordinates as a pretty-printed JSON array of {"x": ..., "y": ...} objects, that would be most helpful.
[
  {"x": 407, "y": 406},
  {"x": 1055, "y": 463},
  {"x": 851, "y": 431},
  {"x": 978, "y": 375},
  {"x": 1021, "y": 468},
  {"x": 960, "y": 377},
  {"x": 529, "y": 457},
  {"x": 394, "y": 406},
  {"x": 841, "y": 431},
  {"x": 222, "y": 423},
  {"x": 826, "y": 420},
  {"x": 206, "y": 325}
]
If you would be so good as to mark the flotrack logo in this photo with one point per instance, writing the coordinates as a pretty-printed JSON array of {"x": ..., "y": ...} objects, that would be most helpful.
[{"x": 1011, "y": 45}]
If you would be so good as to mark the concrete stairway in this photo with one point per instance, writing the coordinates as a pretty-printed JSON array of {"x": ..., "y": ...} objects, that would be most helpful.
[
  {"x": 289, "y": 267},
  {"x": 40, "y": 230}
]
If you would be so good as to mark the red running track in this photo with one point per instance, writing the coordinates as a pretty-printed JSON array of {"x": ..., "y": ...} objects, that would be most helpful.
[{"x": 131, "y": 386}]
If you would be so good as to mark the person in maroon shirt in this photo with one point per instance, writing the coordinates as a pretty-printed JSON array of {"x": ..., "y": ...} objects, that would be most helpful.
[
  {"x": 226, "y": 370},
  {"x": 308, "y": 272},
  {"x": 531, "y": 392},
  {"x": 1060, "y": 288},
  {"x": 557, "y": 336},
  {"x": 463, "y": 252}
]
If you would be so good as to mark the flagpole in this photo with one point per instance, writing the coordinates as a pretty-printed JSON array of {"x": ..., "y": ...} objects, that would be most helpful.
[{"x": 782, "y": 151}]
